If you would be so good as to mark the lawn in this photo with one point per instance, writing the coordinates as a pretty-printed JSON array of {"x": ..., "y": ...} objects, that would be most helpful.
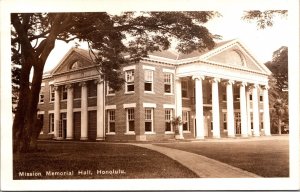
[
  {"x": 267, "y": 158},
  {"x": 70, "y": 160}
]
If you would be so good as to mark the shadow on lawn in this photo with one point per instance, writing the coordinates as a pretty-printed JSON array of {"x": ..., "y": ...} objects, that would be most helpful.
[{"x": 70, "y": 160}]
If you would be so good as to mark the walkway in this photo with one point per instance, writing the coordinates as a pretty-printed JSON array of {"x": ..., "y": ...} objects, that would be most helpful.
[{"x": 204, "y": 167}]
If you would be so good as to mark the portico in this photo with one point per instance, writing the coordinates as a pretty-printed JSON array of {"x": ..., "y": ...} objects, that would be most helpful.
[
  {"x": 237, "y": 88},
  {"x": 59, "y": 132},
  {"x": 243, "y": 109}
]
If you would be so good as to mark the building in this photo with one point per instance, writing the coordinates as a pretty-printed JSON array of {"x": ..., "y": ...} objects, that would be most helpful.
[{"x": 218, "y": 93}]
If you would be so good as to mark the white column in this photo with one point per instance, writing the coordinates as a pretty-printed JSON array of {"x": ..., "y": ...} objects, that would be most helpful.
[
  {"x": 199, "y": 107},
  {"x": 255, "y": 110},
  {"x": 243, "y": 110},
  {"x": 266, "y": 111},
  {"x": 84, "y": 112},
  {"x": 70, "y": 112},
  {"x": 248, "y": 111},
  {"x": 100, "y": 109},
  {"x": 56, "y": 111},
  {"x": 230, "y": 112},
  {"x": 179, "y": 105},
  {"x": 215, "y": 108}
]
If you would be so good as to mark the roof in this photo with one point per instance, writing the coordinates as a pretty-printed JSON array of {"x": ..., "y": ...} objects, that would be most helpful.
[
  {"x": 178, "y": 56},
  {"x": 165, "y": 55}
]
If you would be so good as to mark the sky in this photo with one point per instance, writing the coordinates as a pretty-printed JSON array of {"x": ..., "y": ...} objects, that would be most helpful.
[{"x": 260, "y": 42}]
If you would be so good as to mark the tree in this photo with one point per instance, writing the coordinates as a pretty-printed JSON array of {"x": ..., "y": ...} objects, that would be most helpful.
[
  {"x": 279, "y": 86},
  {"x": 263, "y": 19},
  {"x": 33, "y": 37},
  {"x": 176, "y": 122},
  {"x": 278, "y": 93},
  {"x": 280, "y": 109},
  {"x": 279, "y": 68}
]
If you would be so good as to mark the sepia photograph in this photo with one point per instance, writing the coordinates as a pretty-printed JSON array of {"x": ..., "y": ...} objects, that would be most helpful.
[{"x": 114, "y": 96}]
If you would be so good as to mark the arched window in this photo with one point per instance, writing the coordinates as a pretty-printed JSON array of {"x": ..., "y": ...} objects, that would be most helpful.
[
  {"x": 236, "y": 58},
  {"x": 75, "y": 65}
]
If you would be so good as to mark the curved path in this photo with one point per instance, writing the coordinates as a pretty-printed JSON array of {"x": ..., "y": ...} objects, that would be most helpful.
[{"x": 203, "y": 166}]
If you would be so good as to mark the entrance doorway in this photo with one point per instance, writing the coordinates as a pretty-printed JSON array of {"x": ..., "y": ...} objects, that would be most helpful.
[
  {"x": 237, "y": 123},
  {"x": 62, "y": 132},
  {"x": 206, "y": 124},
  {"x": 207, "y": 118}
]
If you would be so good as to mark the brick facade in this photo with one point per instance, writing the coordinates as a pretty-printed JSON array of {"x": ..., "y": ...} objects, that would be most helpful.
[{"x": 156, "y": 101}]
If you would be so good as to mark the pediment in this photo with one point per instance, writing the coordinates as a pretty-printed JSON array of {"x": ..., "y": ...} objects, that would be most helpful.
[
  {"x": 73, "y": 60},
  {"x": 235, "y": 55}
]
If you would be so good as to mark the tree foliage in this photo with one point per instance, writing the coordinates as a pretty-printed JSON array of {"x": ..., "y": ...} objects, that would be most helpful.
[
  {"x": 263, "y": 19},
  {"x": 279, "y": 68},
  {"x": 33, "y": 37},
  {"x": 279, "y": 87}
]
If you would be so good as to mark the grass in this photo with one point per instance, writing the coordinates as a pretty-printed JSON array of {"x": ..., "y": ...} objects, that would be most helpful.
[
  {"x": 267, "y": 158},
  {"x": 136, "y": 162}
]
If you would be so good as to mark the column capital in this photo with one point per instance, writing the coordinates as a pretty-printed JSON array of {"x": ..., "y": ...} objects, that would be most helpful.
[
  {"x": 176, "y": 78},
  {"x": 214, "y": 80},
  {"x": 198, "y": 77},
  {"x": 265, "y": 87},
  {"x": 83, "y": 84},
  {"x": 98, "y": 81},
  {"x": 228, "y": 82},
  {"x": 254, "y": 85},
  {"x": 54, "y": 87},
  {"x": 242, "y": 84},
  {"x": 69, "y": 86}
]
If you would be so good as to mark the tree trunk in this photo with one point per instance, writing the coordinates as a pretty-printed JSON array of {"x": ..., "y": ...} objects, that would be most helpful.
[
  {"x": 25, "y": 119},
  {"x": 279, "y": 126},
  {"x": 20, "y": 133},
  {"x": 25, "y": 126}
]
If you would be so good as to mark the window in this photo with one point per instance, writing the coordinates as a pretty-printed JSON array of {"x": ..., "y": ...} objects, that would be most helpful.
[
  {"x": 111, "y": 121},
  {"x": 251, "y": 117},
  {"x": 130, "y": 120},
  {"x": 184, "y": 89},
  {"x": 148, "y": 120},
  {"x": 110, "y": 91},
  {"x": 77, "y": 91},
  {"x": 185, "y": 121},
  {"x": 129, "y": 75},
  {"x": 51, "y": 123},
  {"x": 52, "y": 94},
  {"x": 235, "y": 58},
  {"x": 168, "y": 118},
  {"x": 149, "y": 80},
  {"x": 42, "y": 95},
  {"x": 41, "y": 98},
  {"x": 92, "y": 89},
  {"x": 64, "y": 93},
  {"x": 224, "y": 97},
  {"x": 260, "y": 98},
  {"x": 261, "y": 120},
  {"x": 168, "y": 79},
  {"x": 41, "y": 117},
  {"x": 75, "y": 65},
  {"x": 225, "y": 121},
  {"x": 251, "y": 97},
  {"x": 237, "y": 123},
  {"x": 236, "y": 97}
]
